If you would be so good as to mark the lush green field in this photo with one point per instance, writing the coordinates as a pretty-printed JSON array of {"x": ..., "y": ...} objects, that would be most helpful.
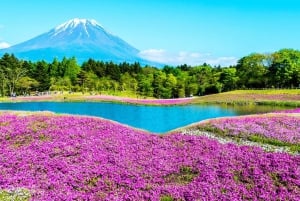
[{"x": 287, "y": 97}]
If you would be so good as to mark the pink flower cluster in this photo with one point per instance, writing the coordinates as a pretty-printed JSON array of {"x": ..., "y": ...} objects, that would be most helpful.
[
  {"x": 175, "y": 101},
  {"x": 277, "y": 126},
  {"x": 85, "y": 158},
  {"x": 297, "y": 110}
]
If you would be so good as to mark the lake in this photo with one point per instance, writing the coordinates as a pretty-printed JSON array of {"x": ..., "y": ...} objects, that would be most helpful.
[{"x": 157, "y": 119}]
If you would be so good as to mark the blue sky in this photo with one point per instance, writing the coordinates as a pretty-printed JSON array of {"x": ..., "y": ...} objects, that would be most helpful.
[{"x": 172, "y": 31}]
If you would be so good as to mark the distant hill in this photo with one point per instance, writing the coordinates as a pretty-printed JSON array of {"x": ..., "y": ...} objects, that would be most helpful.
[{"x": 81, "y": 38}]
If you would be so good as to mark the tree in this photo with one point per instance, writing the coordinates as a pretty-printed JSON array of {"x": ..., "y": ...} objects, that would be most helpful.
[
  {"x": 158, "y": 84},
  {"x": 26, "y": 84},
  {"x": 114, "y": 85},
  {"x": 54, "y": 68},
  {"x": 145, "y": 84},
  {"x": 191, "y": 89},
  {"x": 70, "y": 68},
  {"x": 3, "y": 81},
  {"x": 41, "y": 74},
  {"x": 229, "y": 79},
  {"x": 113, "y": 71},
  {"x": 61, "y": 84},
  {"x": 91, "y": 81},
  {"x": 104, "y": 84},
  {"x": 127, "y": 82},
  {"x": 285, "y": 68},
  {"x": 11, "y": 71},
  {"x": 82, "y": 79},
  {"x": 182, "y": 82},
  {"x": 252, "y": 71},
  {"x": 171, "y": 86}
]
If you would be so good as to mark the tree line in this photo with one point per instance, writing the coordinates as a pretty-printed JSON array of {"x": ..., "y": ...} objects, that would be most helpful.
[{"x": 280, "y": 69}]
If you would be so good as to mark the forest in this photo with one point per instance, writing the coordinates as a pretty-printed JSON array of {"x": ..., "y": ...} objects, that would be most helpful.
[{"x": 280, "y": 69}]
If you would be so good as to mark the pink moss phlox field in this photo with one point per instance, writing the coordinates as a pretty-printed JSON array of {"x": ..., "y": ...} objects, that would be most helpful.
[
  {"x": 108, "y": 98},
  {"x": 85, "y": 158},
  {"x": 175, "y": 101},
  {"x": 281, "y": 127},
  {"x": 297, "y": 110}
]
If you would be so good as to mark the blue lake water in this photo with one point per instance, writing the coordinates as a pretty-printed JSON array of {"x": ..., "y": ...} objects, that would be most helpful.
[{"x": 158, "y": 119}]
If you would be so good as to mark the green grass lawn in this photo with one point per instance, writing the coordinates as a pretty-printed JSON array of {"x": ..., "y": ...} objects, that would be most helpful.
[
  {"x": 267, "y": 91},
  {"x": 286, "y": 97}
]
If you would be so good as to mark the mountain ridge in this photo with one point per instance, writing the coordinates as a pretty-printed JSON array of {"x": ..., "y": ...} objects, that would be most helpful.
[{"x": 80, "y": 38}]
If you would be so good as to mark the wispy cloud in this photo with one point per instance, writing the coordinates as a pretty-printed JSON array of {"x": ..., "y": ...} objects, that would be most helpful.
[
  {"x": 184, "y": 57},
  {"x": 4, "y": 45}
]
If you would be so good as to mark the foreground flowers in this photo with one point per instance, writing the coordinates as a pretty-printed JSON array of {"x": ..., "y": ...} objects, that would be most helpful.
[{"x": 84, "y": 158}]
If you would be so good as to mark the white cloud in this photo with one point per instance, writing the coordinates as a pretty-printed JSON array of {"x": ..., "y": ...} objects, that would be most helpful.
[
  {"x": 4, "y": 45},
  {"x": 184, "y": 57},
  {"x": 223, "y": 61},
  {"x": 158, "y": 55}
]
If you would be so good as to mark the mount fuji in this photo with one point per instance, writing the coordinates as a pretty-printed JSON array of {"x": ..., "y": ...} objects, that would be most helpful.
[{"x": 81, "y": 38}]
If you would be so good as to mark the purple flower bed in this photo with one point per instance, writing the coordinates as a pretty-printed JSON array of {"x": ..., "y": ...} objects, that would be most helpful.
[
  {"x": 297, "y": 110},
  {"x": 280, "y": 127},
  {"x": 84, "y": 158}
]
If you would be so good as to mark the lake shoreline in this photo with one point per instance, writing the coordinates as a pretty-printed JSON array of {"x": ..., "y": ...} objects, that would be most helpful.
[
  {"x": 100, "y": 98},
  {"x": 289, "y": 98}
]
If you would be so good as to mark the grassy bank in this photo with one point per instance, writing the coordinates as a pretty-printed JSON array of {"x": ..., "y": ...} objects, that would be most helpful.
[{"x": 287, "y": 97}]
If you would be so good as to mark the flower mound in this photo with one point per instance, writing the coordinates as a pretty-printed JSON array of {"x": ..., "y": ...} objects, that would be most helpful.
[
  {"x": 84, "y": 158},
  {"x": 280, "y": 127}
]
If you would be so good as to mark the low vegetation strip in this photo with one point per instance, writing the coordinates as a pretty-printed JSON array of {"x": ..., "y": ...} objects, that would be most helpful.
[
  {"x": 15, "y": 195},
  {"x": 176, "y": 101},
  {"x": 287, "y": 97},
  {"x": 101, "y": 98},
  {"x": 297, "y": 110},
  {"x": 59, "y": 157}
]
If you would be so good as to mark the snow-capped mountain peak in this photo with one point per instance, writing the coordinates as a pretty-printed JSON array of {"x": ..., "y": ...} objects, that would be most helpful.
[{"x": 74, "y": 23}]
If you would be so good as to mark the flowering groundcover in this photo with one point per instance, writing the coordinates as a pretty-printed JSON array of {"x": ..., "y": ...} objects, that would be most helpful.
[
  {"x": 281, "y": 126},
  {"x": 60, "y": 157}
]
